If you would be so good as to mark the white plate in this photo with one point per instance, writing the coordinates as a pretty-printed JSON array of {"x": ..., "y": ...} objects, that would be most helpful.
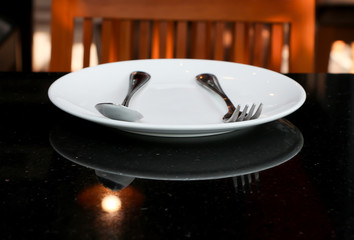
[{"x": 172, "y": 102}]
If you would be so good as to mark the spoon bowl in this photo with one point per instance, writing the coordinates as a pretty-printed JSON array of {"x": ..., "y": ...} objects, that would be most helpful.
[
  {"x": 121, "y": 112},
  {"x": 118, "y": 112}
]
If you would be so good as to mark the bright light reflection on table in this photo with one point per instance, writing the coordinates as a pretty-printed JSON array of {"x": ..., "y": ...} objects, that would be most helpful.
[{"x": 111, "y": 203}]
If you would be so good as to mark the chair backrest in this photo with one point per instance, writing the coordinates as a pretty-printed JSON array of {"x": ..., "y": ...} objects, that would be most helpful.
[{"x": 252, "y": 32}]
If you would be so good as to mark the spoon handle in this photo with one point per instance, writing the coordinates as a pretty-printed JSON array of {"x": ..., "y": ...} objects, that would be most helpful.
[{"x": 137, "y": 80}]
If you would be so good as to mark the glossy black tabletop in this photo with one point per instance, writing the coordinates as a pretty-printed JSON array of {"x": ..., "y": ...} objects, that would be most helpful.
[{"x": 62, "y": 177}]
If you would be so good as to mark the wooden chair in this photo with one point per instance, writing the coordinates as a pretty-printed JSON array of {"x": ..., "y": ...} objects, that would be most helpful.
[{"x": 251, "y": 32}]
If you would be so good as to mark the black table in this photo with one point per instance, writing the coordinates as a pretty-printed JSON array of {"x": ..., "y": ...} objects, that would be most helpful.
[{"x": 55, "y": 173}]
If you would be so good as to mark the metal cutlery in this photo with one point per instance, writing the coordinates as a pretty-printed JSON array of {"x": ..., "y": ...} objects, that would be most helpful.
[
  {"x": 121, "y": 111},
  {"x": 234, "y": 114}
]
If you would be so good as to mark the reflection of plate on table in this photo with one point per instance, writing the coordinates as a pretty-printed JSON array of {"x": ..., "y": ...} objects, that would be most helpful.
[
  {"x": 212, "y": 157},
  {"x": 172, "y": 102}
]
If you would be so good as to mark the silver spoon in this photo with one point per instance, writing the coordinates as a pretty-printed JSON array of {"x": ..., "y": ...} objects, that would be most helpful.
[
  {"x": 210, "y": 81},
  {"x": 121, "y": 111}
]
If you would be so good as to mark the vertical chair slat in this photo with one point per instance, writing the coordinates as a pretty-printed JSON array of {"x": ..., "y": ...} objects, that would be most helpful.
[
  {"x": 155, "y": 42},
  {"x": 163, "y": 25},
  {"x": 209, "y": 39},
  {"x": 276, "y": 47},
  {"x": 267, "y": 29},
  {"x": 219, "y": 41},
  {"x": 240, "y": 43},
  {"x": 199, "y": 40},
  {"x": 170, "y": 41},
  {"x": 87, "y": 40},
  {"x": 122, "y": 40},
  {"x": 144, "y": 40},
  {"x": 258, "y": 45},
  {"x": 106, "y": 33},
  {"x": 181, "y": 39}
]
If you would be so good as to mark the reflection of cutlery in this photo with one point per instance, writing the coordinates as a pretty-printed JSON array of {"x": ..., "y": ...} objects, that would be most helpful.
[
  {"x": 121, "y": 111},
  {"x": 233, "y": 114},
  {"x": 246, "y": 183},
  {"x": 113, "y": 181}
]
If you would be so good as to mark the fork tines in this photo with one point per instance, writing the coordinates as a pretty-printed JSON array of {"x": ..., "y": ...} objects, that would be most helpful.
[{"x": 243, "y": 115}]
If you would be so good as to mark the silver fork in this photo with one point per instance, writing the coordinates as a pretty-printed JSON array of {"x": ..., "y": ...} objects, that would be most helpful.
[{"x": 234, "y": 114}]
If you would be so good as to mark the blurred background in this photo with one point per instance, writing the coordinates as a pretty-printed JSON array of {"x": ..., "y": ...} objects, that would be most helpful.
[{"x": 31, "y": 24}]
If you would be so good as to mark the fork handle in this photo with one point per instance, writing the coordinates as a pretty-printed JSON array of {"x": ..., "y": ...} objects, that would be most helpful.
[{"x": 210, "y": 81}]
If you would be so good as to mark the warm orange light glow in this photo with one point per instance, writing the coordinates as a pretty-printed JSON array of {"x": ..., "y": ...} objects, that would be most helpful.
[
  {"x": 111, "y": 203},
  {"x": 341, "y": 58},
  {"x": 338, "y": 46}
]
